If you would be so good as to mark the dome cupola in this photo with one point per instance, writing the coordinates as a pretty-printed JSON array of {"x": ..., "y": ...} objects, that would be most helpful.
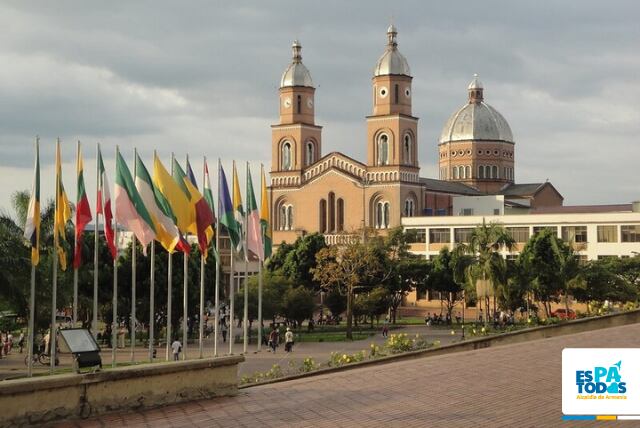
[
  {"x": 476, "y": 120},
  {"x": 392, "y": 61},
  {"x": 296, "y": 73}
]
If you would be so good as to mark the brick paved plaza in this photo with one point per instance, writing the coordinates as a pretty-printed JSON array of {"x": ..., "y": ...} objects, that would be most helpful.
[{"x": 516, "y": 385}]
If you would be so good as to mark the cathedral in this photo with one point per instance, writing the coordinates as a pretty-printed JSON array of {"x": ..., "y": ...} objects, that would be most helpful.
[{"x": 336, "y": 195}]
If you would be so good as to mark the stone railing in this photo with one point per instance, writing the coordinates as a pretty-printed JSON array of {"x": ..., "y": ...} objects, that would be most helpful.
[{"x": 340, "y": 238}]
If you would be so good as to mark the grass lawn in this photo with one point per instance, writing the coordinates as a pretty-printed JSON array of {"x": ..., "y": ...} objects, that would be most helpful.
[{"x": 335, "y": 336}]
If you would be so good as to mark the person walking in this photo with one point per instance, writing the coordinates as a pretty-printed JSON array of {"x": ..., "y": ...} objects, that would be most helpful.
[
  {"x": 21, "y": 341},
  {"x": 385, "y": 328},
  {"x": 224, "y": 332},
  {"x": 288, "y": 340},
  {"x": 273, "y": 340},
  {"x": 176, "y": 347}
]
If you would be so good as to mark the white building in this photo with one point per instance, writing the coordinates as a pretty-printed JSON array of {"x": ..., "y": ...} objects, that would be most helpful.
[{"x": 595, "y": 231}]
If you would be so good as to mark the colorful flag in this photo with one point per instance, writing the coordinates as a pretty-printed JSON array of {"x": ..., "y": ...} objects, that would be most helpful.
[
  {"x": 178, "y": 200},
  {"x": 32, "y": 225},
  {"x": 104, "y": 206},
  {"x": 208, "y": 196},
  {"x": 62, "y": 214},
  {"x": 238, "y": 210},
  {"x": 130, "y": 209},
  {"x": 204, "y": 218},
  {"x": 83, "y": 211},
  {"x": 265, "y": 217},
  {"x": 167, "y": 232},
  {"x": 226, "y": 209},
  {"x": 254, "y": 229}
]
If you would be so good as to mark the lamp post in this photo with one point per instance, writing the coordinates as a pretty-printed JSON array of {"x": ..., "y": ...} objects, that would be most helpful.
[{"x": 464, "y": 298}]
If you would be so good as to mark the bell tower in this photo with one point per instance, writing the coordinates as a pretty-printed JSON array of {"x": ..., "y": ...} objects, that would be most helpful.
[
  {"x": 392, "y": 131},
  {"x": 296, "y": 139}
]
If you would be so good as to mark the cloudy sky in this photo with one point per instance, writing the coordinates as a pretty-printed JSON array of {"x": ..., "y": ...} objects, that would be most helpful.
[{"x": 201, "y": 77}]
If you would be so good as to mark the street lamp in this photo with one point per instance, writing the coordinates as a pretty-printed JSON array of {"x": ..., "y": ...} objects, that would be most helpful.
[{"x": 463, "y": 307}]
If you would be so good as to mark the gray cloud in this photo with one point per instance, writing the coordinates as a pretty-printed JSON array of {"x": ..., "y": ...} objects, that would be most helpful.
[{"x": 201, "y": 77}]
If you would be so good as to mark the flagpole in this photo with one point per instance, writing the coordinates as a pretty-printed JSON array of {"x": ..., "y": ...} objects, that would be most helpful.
[
  {"x": 114, "y": 321},
  {"x": 132, "y": 322},
  {"x": 152, "y": 284},
  {"x": 200, "y": 315},
  {"x": 32, "y": 309},
  {"x": 94, "y": 323},
  {"x": 75, "y": 248},
  {"x": 217, "y": 289},
  {"x": 185, "y": 271},
  {"x": 169, "y": 286},
  {"x": 245, "y": 317},
  {"x": 232, "y": 284},
  {"x": 260, "y": 271},
  {"x": 54, "y": 288}
]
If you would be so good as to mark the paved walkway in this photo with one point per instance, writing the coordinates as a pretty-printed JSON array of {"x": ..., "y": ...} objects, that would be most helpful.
[{"x": 515, "y": 385}]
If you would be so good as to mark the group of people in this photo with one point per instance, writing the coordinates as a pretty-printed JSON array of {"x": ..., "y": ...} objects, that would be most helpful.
[
  {"x": 7, "y": 343},
  {"x": 439, "y": 319},
  {"x": 274, "y": 338}
]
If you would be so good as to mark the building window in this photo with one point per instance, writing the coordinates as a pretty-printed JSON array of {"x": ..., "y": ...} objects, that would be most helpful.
[
  {"x": 331, "y": 211},
  {"x": 416, "y": 236},
  {"x": 462, "y": 235},
  {"x": 481, "y": 171},
  {"x": 309, "y": 153},
  {"x": 455, "y": 172},
  {"x": 496, "y": 211},
  {"x": 607, "y": 233},
  {"x": 538, "y": 229},
  {"x": 519, "y": 234},
  {"x": 285, "y": 217},
  {"x": 407, "y": 149},
  {"x": 440, "y": 236},
  {"x": 395, "y": 96},
  {"x": 467, "y": 170},
  {"x": 630, "y": 233},
  {"x": 383, "y": 150},
  {"x": 299, "y": 103},
  {"x": 322, "y": 215},
  {"x": 466, "y": 211},
  {"x": 382, "y": 215},
  {"x": 285, "y": 158},
  {"x": 495, "y": 172},
  {"x": 409, "y": 208},
  {"x": 574, "y": 233},
  {"x": 340, "y": 214}
]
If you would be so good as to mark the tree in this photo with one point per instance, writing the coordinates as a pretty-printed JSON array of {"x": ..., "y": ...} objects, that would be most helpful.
[
  {"x": 336, "y": 302},
  {"x": 298, "y": 304},
  {"x": 410, "y": 273},
  {"x": 447, "y": 278},
  {"x": 355, "y": 267},
  {"x": 598, "y": 283},
  {"x": 485, "y": 244},
  {"x": 301, "y": 259},
  {"x": 372, "y": 304}
]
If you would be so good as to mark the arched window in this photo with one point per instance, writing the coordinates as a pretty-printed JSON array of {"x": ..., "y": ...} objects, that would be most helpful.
[
  {"x": 285, "y": 157},
  {"x": 396, "y": 94},
  {"x": 332, "y": 212},
  {"x": 282, "y": 217},
  {"x": 289, "y": 217},
  {"x": 495, "y": 172},
  {"x": 467, "y": 170},
  {"x": 409, "y": 208},
  {"x": 379, "y": 215},
  {"x": 309, "y": 153},
  {"x": 407, "y": 149},
  {"x": 481, "y": 171},
  {"x": 462, "y": 172},
  {"x": 383, "y": 150},
  {"x": 299, "y": 103},
  {"x": 387, "y": 210},
  {"x": 455, "y": 173},
  {"x": 322, "y": 215},
  {"x": 340, "y": 214},
  {"x": 487, "y": 172}
]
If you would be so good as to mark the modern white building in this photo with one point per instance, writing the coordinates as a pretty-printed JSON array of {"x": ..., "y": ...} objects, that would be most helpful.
[{"x": 595, "y": 231}]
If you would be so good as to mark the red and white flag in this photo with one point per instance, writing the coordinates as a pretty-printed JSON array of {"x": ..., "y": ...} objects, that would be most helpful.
[{"x": 104, "y": 206}]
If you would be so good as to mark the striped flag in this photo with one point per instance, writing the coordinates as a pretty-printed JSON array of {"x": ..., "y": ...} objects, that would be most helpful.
[
  {"x": 178, "y": 200},
  {"x": 254, "y": 229},
  {"x": 225, "y": 209},
  {"x": 265, "y": 216},
  {"x": 208, "y": 197},
  {"x": 62, "y": 214},
  {"x": 238, "y": 211},
  {"x": 32, "y": 225},
  {"x": 204, "y": 217},
  {"x": 167, "y": 232},
  {"x": 104, "y": 206},
  {"x": 130, "y": 209},
  {"x": 83, "y": 211}
]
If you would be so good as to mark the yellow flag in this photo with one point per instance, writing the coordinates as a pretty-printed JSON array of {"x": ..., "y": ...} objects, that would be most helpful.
[
  {"x": 178, "y": 200},
  {"x": 62, "y": 214}
]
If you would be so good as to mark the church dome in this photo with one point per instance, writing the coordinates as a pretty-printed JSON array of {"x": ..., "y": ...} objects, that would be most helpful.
[
  {"x": 296, "y": 74},
  {"x": 392, "y": 61},
  {"x": 476, "y": 120}
]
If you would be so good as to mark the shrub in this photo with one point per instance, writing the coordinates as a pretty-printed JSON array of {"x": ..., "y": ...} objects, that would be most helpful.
[{"x": 308, "y": 365}]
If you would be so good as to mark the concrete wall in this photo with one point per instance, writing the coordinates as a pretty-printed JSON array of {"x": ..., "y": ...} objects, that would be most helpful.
[
  {"x": 43, "y": 399},
  {"x": 481, "y": 205}
]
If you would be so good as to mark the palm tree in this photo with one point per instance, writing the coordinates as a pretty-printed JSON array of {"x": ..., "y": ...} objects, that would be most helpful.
[{"x": 488, "y": 265}]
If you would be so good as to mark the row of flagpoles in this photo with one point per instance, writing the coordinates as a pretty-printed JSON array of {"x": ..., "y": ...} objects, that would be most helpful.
[{"x": 161, "y": 207}]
